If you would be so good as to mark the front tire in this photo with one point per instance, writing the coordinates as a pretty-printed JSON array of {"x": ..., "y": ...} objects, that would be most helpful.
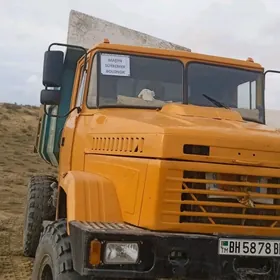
[
  {"x": 39, "y": 207},
  {"x": 53, "y": 260}
]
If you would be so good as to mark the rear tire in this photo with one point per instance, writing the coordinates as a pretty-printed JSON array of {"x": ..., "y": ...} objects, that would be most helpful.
[
  {"x": 39, "y": 207},
  {"x": 53, "y": 260}
]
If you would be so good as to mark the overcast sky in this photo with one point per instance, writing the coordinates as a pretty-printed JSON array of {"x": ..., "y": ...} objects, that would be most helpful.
[{"x": 236, "y": 28}]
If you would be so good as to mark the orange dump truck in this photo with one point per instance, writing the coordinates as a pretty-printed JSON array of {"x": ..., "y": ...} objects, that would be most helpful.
[{"x": 166, "y": 168}]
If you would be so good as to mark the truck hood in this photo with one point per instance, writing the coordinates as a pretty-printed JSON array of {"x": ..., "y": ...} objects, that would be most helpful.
[{"x": 164, "y": 133}]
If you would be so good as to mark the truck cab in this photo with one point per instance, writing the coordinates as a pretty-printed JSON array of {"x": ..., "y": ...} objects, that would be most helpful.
[{"x": 165, "y": 165}]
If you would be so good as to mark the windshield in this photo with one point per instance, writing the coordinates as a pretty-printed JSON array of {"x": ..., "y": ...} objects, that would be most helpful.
[
  {"x": 128, "y": 80},
  {"x": 237, "y": 89},
  {"x": 138, "y": 81}
]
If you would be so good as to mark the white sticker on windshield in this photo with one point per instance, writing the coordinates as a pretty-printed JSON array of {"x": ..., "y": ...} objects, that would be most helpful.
[{"x": 115, "y": 65}]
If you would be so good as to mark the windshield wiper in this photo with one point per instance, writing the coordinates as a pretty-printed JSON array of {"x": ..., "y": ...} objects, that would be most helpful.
[
  {"x": 221, "y": 105},
  {"x": 216, "y": 102}
]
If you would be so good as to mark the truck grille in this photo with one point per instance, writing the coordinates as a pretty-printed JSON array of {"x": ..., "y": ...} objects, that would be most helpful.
[{"x": 223, "y": 199}]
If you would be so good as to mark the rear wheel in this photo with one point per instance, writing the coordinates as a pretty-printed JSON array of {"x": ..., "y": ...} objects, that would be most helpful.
[
  {"x": 39, "y": 207},
  {"x": 53, "y": 258}
]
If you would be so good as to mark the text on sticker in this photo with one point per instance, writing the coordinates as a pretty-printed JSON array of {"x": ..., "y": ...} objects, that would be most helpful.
[{"x": 115, "y": 65}]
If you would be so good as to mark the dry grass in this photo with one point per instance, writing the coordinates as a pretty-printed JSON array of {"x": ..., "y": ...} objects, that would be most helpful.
[{"x": 18, "y": 127}]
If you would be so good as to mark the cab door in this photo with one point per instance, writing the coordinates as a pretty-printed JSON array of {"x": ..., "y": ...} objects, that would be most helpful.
[{"x": 68, "y": 133}]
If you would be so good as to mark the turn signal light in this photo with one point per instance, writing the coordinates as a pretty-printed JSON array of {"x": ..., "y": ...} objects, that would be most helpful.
[{"x": 95, "y": 252}]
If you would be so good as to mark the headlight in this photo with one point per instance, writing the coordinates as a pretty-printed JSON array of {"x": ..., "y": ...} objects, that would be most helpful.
[{"x": 121, "y": 253}]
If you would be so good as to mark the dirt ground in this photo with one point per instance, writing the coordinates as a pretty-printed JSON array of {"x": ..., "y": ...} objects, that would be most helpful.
[{"x": 18, "y": 126}]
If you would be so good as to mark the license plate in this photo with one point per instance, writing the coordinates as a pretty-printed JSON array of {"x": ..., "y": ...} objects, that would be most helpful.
[{"x": 246, "y": 247}]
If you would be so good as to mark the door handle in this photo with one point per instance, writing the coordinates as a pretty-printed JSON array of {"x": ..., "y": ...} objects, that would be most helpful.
[{"x": 62, "y": 141}]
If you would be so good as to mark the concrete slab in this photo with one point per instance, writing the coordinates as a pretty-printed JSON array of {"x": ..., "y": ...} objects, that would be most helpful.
[{"x": 86, "y": 31}]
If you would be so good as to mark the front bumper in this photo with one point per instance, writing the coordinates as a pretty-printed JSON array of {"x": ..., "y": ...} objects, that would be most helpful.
[{"x": 199, "y": 255}]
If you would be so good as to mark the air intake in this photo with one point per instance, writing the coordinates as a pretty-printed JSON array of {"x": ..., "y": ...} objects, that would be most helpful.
[{"x": 118, "y": 144}]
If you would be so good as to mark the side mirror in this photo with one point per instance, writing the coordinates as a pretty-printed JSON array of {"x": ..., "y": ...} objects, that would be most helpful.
[
  {"x": 53, "y": 67},
  {"x": 50, "y": 97}
]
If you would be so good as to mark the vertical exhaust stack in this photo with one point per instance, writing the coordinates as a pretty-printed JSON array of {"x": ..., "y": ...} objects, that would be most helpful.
[{"x": 86, "y": 31}]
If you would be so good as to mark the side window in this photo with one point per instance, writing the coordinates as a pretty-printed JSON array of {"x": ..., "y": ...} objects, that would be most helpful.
[
  {"x": 92, "y": 89},
  {"x": 246, "y": 95},
  {"x": 81, "y": 89}
]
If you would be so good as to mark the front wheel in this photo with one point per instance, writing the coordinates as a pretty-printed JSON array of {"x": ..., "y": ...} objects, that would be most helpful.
[{"x": 53, "y": 259}]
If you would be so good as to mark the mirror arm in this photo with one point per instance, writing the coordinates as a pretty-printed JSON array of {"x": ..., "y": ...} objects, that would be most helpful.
[
  {"x": 73, "y": 47},
  {"x": 84, "y": 68},
  {"x": 63, "y": 116},
  {"x": 271, "y": 71}
]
